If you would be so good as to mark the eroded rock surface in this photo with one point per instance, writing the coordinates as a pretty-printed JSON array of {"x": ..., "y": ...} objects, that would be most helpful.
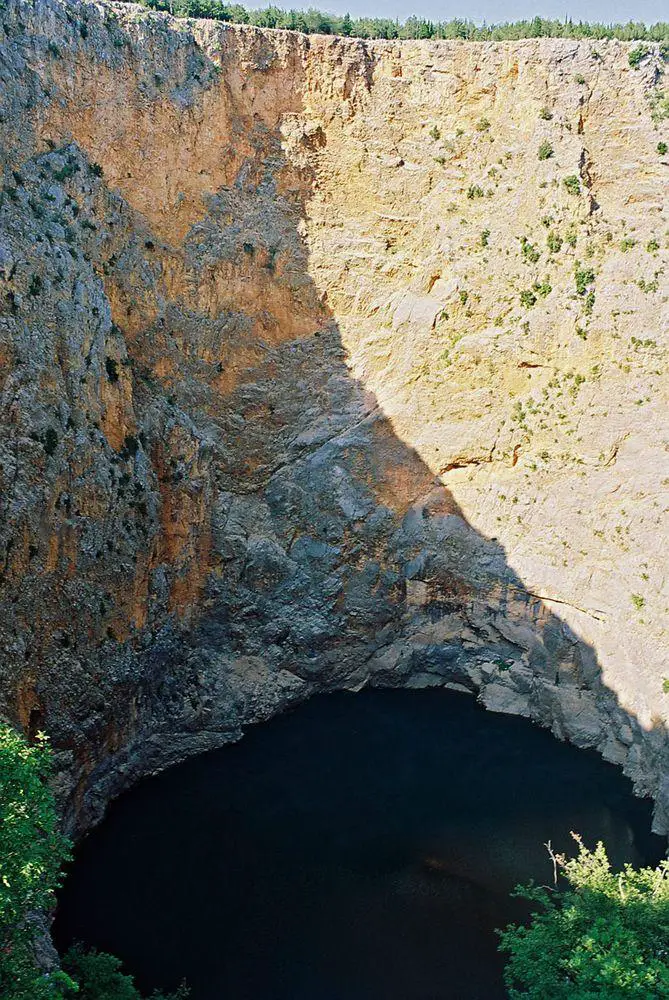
[{"x": 314, "y": 374}]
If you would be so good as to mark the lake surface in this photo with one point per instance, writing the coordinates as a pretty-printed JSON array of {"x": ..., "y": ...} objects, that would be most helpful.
[{"x": 361, "y": 847}]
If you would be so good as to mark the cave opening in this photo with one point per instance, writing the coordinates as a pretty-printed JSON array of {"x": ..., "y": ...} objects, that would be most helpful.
[{"x": 360, "y": 846}]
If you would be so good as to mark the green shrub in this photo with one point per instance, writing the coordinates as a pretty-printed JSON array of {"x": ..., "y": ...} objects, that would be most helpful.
[
  {"x": 67, "y": 170},
  {"x": 583, "y": 276},
  {"x": 31, "y": 854},
  {"x": 579, "y": 78},
  {"x": 572, "y": 184},
  {"x": 606, "y": 937},
  {"x": 482, "y": 125},
  {"x": 546, "y": 114},
  {"x": 652, "y": 245},
  {"x": 527, "y": 298},
  {"x": 554, "y": 242},
  {"x": 474, "y": 191},
  {"x": 637, "y": 54},
  {"x": 545, "y": 150},
  {"x": 484, "y": 237},
  {"x": 99, "y": 977},
  {"x": 662, "y": 148},
  {"x": 659, "y": 105},
  {"x": 529, "y": 251},
  {"x": 434, "y": 133}
]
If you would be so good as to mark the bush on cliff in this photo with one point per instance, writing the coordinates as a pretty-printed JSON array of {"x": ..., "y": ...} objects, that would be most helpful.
[
  {"x": 32, "y": 852},
  {"x": 606, "y": 937},
  {"x": 99, "y": 976}
]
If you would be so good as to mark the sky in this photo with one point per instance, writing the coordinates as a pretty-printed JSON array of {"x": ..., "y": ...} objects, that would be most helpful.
[{"x": 491, "y": 10}]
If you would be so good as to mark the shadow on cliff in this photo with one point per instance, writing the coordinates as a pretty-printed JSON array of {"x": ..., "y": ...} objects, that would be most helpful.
[{"x": 329, "y": 555}]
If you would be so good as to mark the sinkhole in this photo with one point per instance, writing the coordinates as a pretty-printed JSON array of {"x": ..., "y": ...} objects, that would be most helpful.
[{"x": 360, "y": 847}]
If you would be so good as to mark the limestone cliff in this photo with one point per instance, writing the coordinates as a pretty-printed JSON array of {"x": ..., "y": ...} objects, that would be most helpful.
[{"x": 325, "y": 363}]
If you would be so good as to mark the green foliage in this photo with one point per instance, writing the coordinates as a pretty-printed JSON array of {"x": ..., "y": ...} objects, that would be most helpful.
[
  {"x": 583, "y": 276},
  {"x": 652, "y": 245},
  {"x": 659, "y": 106},
  {"x": 649, "y": 286},
  {"x": 484, "y": 237},
  {"x": 482, "y": 125},
  {"x": 99, "y": 976},
  {"x": 545, "y": 150},
  {"x": 638, "y": 601},
  {"x": 31, "y": 853},
  {"x": 665, "y": 685},
  {"x": 662, "y": 148},
  {"x": 434, "y": 133},
  {"x": 474, "y": 191},
  {"x": 529, "y": 251},
  {"x": 316, "y": 22},
  {"x": 68, "y": 169},
  {"x": 527, "y": 298},
  {"x": 543, "y": 288},
  {"x": 554, "y": 242},
  {"x": 545, "y": 114},
  {"x": 638, "y": 53},
  {"x": 579, "y": 78},
  {"x": 606, "y": 937},
  {"x": 572, "y": 184}
]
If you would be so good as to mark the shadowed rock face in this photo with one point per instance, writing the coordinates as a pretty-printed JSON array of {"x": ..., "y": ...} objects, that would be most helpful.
[{"x": 274, "y": 417}]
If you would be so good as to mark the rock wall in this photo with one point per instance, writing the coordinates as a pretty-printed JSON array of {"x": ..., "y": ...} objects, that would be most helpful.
[{"x": 326, "y": 363}]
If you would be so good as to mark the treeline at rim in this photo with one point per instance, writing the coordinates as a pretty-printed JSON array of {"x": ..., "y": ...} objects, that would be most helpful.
[{"x": 320, "y": 23}]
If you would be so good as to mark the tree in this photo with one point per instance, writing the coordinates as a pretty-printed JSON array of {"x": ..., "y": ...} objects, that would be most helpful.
[
  {"x": 346, "y": 26},
  {"x": 605, "y": 937},
  {"x": 31, "y": 854},
  {"x": 99, "y": 976}
]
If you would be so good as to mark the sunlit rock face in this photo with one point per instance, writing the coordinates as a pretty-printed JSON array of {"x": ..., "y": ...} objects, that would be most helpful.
[{"x": 325, "y": 363}]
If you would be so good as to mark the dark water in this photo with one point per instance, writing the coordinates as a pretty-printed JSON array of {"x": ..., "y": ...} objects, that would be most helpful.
[{"x": 360, "y": 848}]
